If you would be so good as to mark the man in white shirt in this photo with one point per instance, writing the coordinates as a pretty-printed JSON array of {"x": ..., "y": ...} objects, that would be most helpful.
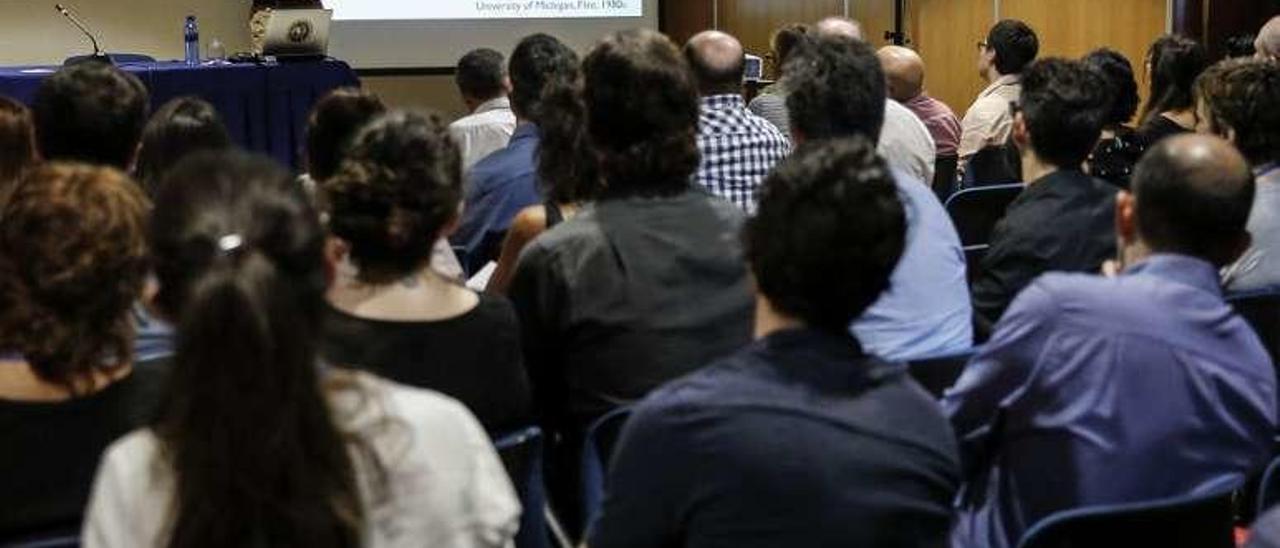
[
  {"x": 1010, "y": 47},
  {"x": 482, "y": 81}
]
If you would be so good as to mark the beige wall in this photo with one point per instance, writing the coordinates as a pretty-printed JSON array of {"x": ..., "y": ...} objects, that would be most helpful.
[{"x": 421, "y": 92}]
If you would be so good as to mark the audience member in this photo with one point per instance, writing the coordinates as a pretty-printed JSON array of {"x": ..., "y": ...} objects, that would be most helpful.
[
  {"x": 868, "y": 459},
  {"x": 17, "y": 141},
  {"x": 904, "y": 140},
  {"x": 178, "y": 129},
  {"x": 904, "y": 70},
  {"x": 72, "y": 261},
  {"x": 254, "y": 443},
  {"x": 838, "y": 90},
  {"x": 1267, "y": 45},
  {"x": 1173, "y": 62},
  {"x": 1010, "y": 47},
  {"x": 1063, "y": 220},
  {"x": 738, "y": 148},
  {"x": 771, "y": 103},
  {"x": 1239, "y": 100},
  {"x": 487, "y": 128},
  {"x": 334, "y": 122},
  {"x": 505, "y": 182},
  {"x": 390, "y": 312},
  {"x": 92, "y": 113},
  {"x": 648, "y": 283},
  {"x": 1119, "y": 148},
  {"x": 1137, "y": 387},
  {"x": 1241, "y": 46},
  {"x": 567, "y": 168}
]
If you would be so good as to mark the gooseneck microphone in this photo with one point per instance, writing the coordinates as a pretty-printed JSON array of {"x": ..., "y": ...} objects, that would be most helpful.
[{"x": 98, "y": 54}]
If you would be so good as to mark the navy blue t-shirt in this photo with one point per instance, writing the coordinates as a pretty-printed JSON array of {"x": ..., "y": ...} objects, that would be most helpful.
[{"x": 798, "y": 440}]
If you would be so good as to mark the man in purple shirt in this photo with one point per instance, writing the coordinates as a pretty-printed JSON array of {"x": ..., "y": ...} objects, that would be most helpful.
[
  {"x": 904, "y": 73},
  {"x": 1143, "y": 385}
]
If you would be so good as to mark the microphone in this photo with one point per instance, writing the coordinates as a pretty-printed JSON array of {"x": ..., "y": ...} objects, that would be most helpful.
[{"x": 98, "y": 54}]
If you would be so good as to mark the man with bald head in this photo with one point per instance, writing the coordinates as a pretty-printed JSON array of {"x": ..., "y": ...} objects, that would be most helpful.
[
  {"x": 840, "y": 26},
  {"x": 904, "y": 74},
  {"x": 1267, "y": 45},
  {"x": 1140, "y": 386},
  {"x": 738, "y": 147}
]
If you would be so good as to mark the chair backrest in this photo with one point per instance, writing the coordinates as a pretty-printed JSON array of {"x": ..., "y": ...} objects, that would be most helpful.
[
  {"x": 993, "y": 165},
  {"x": 61, "y": 537},
  {"x": 944, "y": 176},
  {"x": 976, "y": 211},
  {"x": 602, "y": 436},
  {"x": 1204, "y": 520},
  {"x": 936, "y": 375},
  {"x": 521, "y": 454},
  {"x": 1262, "y": 310},
  {"x": 1269, "y": 488}
]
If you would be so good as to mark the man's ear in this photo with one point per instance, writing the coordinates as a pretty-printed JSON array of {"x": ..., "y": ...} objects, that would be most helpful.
[
  {"x": 1021, "y": 136},
  {"x": 1126, "y": 218}
]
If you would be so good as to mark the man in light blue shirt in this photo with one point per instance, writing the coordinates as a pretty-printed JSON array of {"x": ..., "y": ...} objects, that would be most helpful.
[
  {"x": 839, "y": 91},
  {"x": 1107, "y": 390}
]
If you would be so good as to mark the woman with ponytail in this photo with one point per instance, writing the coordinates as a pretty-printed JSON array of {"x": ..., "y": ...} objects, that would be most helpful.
[{"x": 256, "y": 442}]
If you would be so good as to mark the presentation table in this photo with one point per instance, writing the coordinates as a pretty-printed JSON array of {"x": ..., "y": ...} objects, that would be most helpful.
[{"x": 264, "y": 106}]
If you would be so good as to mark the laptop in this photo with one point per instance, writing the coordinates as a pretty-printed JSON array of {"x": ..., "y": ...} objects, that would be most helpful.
[{"x": 298, "y": 34}]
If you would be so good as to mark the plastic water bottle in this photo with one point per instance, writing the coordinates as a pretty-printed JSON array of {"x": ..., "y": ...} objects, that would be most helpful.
[{"x": 191, "y": 38}]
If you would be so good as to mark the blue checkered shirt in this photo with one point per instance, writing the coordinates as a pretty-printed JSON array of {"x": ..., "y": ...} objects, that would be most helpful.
[{"x": 738, "y": 149}]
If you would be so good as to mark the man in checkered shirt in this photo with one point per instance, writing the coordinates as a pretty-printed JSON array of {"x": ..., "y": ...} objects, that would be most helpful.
[{"x": 738, "y": 148}]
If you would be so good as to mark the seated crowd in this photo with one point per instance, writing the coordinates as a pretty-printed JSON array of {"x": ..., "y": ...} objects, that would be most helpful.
[{"x": 200, "y": 348}]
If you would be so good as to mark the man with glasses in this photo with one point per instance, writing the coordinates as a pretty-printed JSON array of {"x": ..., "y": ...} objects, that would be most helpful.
[{"x": 1009, "y": 48}]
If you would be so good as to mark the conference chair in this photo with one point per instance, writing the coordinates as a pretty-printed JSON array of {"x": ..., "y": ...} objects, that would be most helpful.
[
  {"x": 1269, "y": 489},
  {"x": 1204, "y": 520},
  {"x": 945, "y": 169},
  {"x": 1262, "y": 310},
  {"x": 521, "y": 454},
  {"x": 993, "y": 165},
  {"x": 975, "y": 212},
  {"x": 597, "y": 450},
  {"x": 58, "y": 538},
  {"x": 936, "y": 375}
]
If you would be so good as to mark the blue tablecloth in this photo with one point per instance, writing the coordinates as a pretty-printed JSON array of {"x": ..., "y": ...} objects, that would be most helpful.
[{"x": 265, "y": 106}]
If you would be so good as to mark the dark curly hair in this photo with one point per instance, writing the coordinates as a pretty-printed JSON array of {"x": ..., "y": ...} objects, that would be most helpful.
[
  {"x": 400, "y": 186},
  {"x": 1117, "y": 70},
  {"x": 538, "y": 60},
  {"x": 784, "y": 42},
  {"x": 1176, "y": 62},
  {"x": 829, "y": 233},
  {"x": 179, "y": 128},
  {"x": 17, "y": 141},
  {"x": 1016, "y": 45},
  {"x": 92, "y": 113},
  {"x": 568, "y": 169},
  {"x": 1244, "y": 95},
  {"x": 334, "y": 122},
  {"x": 836, "y": 88},
  {"x": 73, "y": 257},
  {"x": 642, "y": 108},
  {"x": 1065, "y": 106}
]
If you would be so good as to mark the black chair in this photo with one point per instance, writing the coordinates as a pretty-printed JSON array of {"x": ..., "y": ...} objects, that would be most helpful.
[
  {"x": 1205, "y": 520},
  {"x": 602, "y": 436},
  {"x": 1262, "y": 310},
  {"x": 976, "y": 211},
  {"x": 63, "y": 537},
  {"x": 936, "y": 375},
  {"x": 944, "y": 176},
  {"x": 1269, "y": 489},
  {"x": 993, "y": 165},
  {"x": 521, "y": 454}
]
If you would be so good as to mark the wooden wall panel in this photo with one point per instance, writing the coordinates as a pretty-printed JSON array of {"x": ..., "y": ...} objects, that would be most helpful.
[
  {"x": 681, "y": 19},
  {"x": 946, "y": 33},
  {"x": 753, "y": 21},
  {"x": 876, "y": 17}
]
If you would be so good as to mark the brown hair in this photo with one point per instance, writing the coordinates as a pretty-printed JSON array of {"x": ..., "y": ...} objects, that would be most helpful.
[
  {"x": 72, "y": 261},
  {"x": 17, "y": 140},
  {"x": 1242, "y": 95}
]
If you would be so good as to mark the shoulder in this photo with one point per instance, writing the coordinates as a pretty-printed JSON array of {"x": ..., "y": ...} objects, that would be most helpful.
[
  {"x": 129, "y": 464},
  {"x": 529, "y": 223},
  {"x": 434, "y": 419},
  {"x": 496, "y": 308}
]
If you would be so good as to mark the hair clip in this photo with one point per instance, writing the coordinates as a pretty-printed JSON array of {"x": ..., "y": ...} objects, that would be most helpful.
[{"x": 230, "y": 243}]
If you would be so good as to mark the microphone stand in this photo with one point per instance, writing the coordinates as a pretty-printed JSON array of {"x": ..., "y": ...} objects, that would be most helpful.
[{"x": 98, "y": 56}]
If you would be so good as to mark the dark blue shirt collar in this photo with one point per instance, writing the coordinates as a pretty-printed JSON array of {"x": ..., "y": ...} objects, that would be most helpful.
[
  {"x": 1181, "y": 269},
  {"x": 831, "y": 360}
]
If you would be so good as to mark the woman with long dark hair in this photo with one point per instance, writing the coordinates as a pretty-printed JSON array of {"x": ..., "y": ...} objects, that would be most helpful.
[
  {"x": 1119, "y": 147},
  {"x": 259, "y": 444},
  {"x": 1173, "y": 64},
  {"x": 567, "y": 167}
]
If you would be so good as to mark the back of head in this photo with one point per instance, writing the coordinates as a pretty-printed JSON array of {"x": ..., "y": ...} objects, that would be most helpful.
[
  {"x": 646, "y": 141},
  {"x": 829, "y": 233},
  {"x": 1240, "y": 99},
  {"x": 1193, "y": 196},
  {"x": 334, "y": 122},
  {"x": 17, "y": 141},
  {"x": 72, "y": 262},
  {"x": 1064, "y": 104},
  {"x": 1267, "y": 43},
  {"x": 92, "y": 113},
  {"x": 180, "y": 128},
  {"x": 239, "y": 258},
  {"x": 839, "y": 27},
  {"x": 482, "y": 74},
  {"x": 903, "y": 71},
  {"x": 718, "y": 62},
  {"x": 1016, "y": 45},
  {"x": 537, "y": 60},
  {"x": 1175, "y": 62},
  {"x": 785, "y": 40},
  {"x": 836, "y": 88},
  {"x": 1121, "y": 82},
  {"x": 398, "y": 190}
]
